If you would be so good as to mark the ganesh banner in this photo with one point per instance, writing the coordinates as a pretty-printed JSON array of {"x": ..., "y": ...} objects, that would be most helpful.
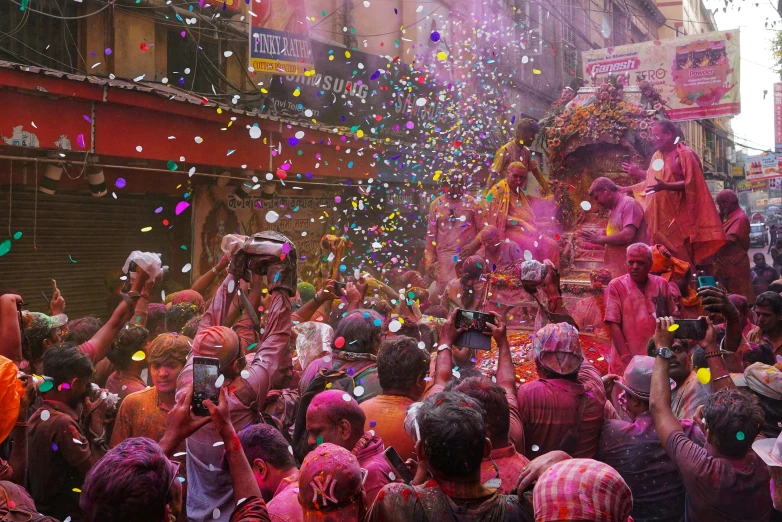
[
  {"x": 697, "y": 76},
  {"x": 764, "y": 166},
  {"x": 302, "y": 217}
]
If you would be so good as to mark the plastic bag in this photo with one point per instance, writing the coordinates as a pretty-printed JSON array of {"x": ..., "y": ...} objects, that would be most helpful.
[
  {"x": 148, "y": 261},
  {"x": 312, "y": 341},
  {"x": 231, "y": 243}
]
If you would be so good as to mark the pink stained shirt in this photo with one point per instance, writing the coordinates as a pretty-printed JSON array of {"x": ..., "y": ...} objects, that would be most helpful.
[
  {"x": 627, "y": 212},
  {"x": 633, "y": 309},
  {"x": 451, "y": 228},
  {"x": 285, "y": 507},
  {"x": 379, "y": 471},
  {"x": 509, "y": 462},
  {"x": 209, "y": 487}
]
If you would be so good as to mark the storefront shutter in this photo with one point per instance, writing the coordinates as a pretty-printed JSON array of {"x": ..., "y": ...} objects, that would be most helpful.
[{"x": 78, "y": 239}]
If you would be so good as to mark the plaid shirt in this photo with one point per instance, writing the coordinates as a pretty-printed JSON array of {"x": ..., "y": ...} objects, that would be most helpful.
[{"x": 582, "y": 489}]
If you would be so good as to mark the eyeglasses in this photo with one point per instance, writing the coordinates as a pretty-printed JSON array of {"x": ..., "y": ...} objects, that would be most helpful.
[{"x": 176, "y": 465}]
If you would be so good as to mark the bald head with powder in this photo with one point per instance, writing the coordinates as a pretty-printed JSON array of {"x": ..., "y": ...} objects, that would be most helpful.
[{"x": 335, "y": 417}]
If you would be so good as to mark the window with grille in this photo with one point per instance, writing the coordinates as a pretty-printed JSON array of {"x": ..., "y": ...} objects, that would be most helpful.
[{"x": 35, "y": 39}]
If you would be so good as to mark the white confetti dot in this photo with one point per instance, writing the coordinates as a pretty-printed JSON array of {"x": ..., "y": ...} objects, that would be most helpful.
[
  {"x": 366, "y": 3},
  {"x": 216, "y": 514},
  {"x": 77, "y": 441},
  {"x": 191, "y": 172},
  {"x": 255, "y": 132},
  {"x": 586, "y": 205},
  {"x": 164, "y": 80},
  {"x": 218, "y": 443},
  {"x": 535, "y": 447},
  {"x": 245, "y": 374},
  {"x": 658, "y": 164},
  {"x": 139, "y": 148},
  {"x": 231, "y": 286},
  {"x": 391, "y": 475},
  {"x": 180, "y": 454},
  {"x": 420, "y": 102},
  {"x": 527, "y": 255},
  {"x": 187, "y": 70},
  {"x": 290, "y": 450},
  {"x": 358, "y": 391},
  {"x": 394, "y": 326},
  {"x": 308, "y": 113},
  {"x": 422, "y": 345},
  {"x": 272, "y": 216},
  {"x": 45, "y": 415},
  {"x": 186, "y": 268},
  {"x": 199, "y": 139},
  {"x": 220, "y": 380},
  {"x": 524, "y": 59},
  {"x": 420, "y": 8},
  {"x": 456, "y": 373},
  {"x": 676, "y": 140},
  {"x": 346, "y": 397},
  {"x": 228, "y": 54},
  {"x": 299, "y": 135}
]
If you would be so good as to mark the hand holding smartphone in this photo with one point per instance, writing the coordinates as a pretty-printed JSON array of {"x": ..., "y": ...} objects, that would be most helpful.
[
  {"x": 205, "y": 373},
  {"x": 475, "y": 323}
]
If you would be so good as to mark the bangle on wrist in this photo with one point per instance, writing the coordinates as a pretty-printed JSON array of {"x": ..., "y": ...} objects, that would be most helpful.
[
  {"x": 715, "y": 354},
  {"x": 444, "y": 346},
  {"x": 719, "y": 378},
  {"x": 214, "y": 270}
]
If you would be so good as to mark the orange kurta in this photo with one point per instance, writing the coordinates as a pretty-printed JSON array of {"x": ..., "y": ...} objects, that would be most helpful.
[
  {"x": 386, "y": 416},
  {"x": 687, "y": 223}
]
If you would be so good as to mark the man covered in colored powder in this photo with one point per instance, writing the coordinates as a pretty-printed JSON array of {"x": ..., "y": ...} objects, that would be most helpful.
[
  {"x": 518, "y": 150},
  {"x": 731, "y": 262},
  {"x": 679, "y": 211},
  {"x": 632, "y": 302},
  {"x": 626, "y": 224},
  {"x": 451, "y": 228},
  {"x": 508, "y": 209}
]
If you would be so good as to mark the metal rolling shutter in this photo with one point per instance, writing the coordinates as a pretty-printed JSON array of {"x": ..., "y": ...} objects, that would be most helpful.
[{"x": 98, "y": 233}]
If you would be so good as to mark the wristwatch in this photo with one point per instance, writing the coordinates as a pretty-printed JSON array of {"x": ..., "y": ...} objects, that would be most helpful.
[{"x": 664, "y": 352}]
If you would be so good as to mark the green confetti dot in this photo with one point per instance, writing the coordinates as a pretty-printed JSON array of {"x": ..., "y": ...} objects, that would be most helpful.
[
  {"x": 71, "y": 258},
  {"x": 46, "y": 386},
  {"x": 489, "y": 197},
  {"x": 183, "y": 247},
  {"x": 252, "y": 346},
  {"x": 5, "y": 247},
  {"x": 171, "y": 165},
  {"x": 18, "y": 236},
  {"x": 319, "y": 440},
  {"x": 740, "y": 435}
]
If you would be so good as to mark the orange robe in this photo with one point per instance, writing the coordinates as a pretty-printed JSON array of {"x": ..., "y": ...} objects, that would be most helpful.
[
  {"x": 731, "y": 263},
  {"x": 686, "y": 223}
]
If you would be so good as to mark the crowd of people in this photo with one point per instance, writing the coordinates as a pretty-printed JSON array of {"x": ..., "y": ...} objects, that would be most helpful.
[{"x": 357, "y": 400}]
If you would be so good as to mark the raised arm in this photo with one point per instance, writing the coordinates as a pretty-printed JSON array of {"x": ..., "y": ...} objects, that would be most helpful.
[
  {"x": 720, "y": 377},
  {"x": 323, "y": 298},
  {"x": 102, "y": 339},
  {"x": 715, "y": 300},
  {"x": 443, "y": 365},
  {"x": 506, "y": 376},
  {"x": 665, "y": 422},
  {"x": 244, "y": 483},
  {"x": 201, "y": 284}
]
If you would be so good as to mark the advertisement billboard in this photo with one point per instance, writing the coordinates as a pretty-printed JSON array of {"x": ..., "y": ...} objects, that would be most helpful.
[
  {"x": 697, "y": 76},
  {"x": 764, "y": 166},
  {"x": 279, "y": 40}
]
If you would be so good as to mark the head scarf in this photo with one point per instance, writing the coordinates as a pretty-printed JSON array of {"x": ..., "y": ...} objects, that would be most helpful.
[
  {"x": 764, "y": 380},
  {"x": 216, "y": 341},
  {"x": 558, "y": 349},
  {"x": 582, "y": 489}
]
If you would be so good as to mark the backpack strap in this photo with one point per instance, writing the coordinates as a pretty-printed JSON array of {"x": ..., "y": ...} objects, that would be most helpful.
[{"x": 570, "y": 442}]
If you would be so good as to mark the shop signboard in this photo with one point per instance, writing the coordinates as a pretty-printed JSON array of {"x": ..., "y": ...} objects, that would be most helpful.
[
  {"x": 279, "y": 40},
  {"x": 298, "y": 214},
  {"x": 764, "y": 166},
  {"x": 778, "y": 116},
  {"x": 697, "y": 76}
]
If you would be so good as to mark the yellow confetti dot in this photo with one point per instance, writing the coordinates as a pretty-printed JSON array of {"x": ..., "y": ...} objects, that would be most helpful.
[
  {"x": 146, "y": 229},
  {"x": 331, "y": 57},
  {"x": 139, "y": 356},
  {"x": 442, "y": 56},
  {"x": 360, "y": 133},
  {"x": 673, "y": 327},
  {"x": 219, "y": 110},
  {"x": 76, "y": 490},
  {"x": 328, "y": 385},
  {"x": 297, "y": 92},
  {"x": 309, "y": 73},
  {"x": 535, "y": 71},
  {"x": 704, "y": 375},
  {"x": 347, "y": 54},
  {"x": 437, "y": 174},
  {"x": 263, "y": 90}
]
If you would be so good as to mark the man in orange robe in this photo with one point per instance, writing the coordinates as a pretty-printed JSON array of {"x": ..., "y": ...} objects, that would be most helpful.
[
  {"x": 679, "y": 211},
  {"x": 731, "y": 263}
]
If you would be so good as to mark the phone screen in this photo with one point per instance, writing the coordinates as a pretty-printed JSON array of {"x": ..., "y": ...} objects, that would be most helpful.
[
  {"x": 473, "y": 320},
  {"x": 205, "y": 373},
  {"x": 706, "y": 281},
  {"x": 396, "y": 461},
  {"x": 690, "y": 329}
]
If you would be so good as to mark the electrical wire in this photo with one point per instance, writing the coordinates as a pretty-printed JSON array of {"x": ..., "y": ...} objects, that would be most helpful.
[{"x": 108, "y": 4}]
